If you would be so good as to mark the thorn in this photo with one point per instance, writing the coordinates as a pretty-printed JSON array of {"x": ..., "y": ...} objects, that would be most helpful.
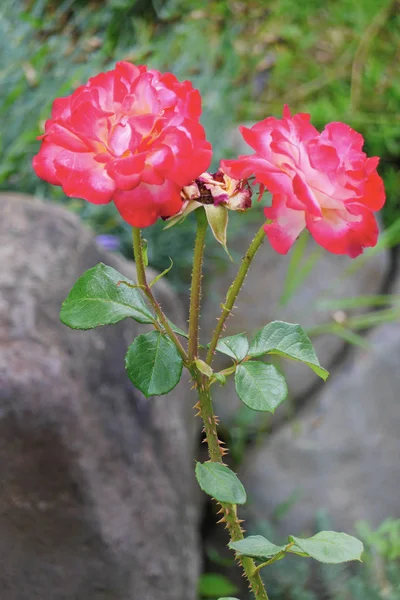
[
  {"x": 220, "y": 511},
  {"x": 221, "y": 520},
  {"x": 240, "y": 521},
  {"x": 197, "y": 406}
]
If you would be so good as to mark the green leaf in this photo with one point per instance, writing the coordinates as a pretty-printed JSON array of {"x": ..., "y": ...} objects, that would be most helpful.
[
  {"x": 153, "y": 364},
  {"x": 102, "y": 296},
  {"x": 288, "y": 340},
  {"x": 213, "y": 584},
  {"x": 226, "y": 598},
  {"x": 330, "y": 547},
  {"x": 235, "y": 346},
  {"x": 256, "y": 546},
  {"x": 260, "y": 386},
  {"x": 221, "y": 483},
  {"x": 161, "y": 275}
]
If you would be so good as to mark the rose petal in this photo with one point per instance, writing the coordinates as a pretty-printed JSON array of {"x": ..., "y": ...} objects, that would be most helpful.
[
  {"x": 142, "y": 206},
  {"x": 341, "y": 232},
  {"x": 286, "y": 226}
]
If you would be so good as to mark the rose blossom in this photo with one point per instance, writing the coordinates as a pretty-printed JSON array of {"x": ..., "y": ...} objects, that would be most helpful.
[
  {"x": 319, "y": 181},
  {"x": 130, "y": 135}
]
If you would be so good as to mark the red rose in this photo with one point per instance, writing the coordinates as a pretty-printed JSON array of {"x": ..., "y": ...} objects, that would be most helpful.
[
  {"x": 130, "y": 135},
  {"x": 321, "y": 181}
]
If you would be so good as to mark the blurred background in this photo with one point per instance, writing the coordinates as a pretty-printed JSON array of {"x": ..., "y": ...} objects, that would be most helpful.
[{"x": 331, "y": 456}]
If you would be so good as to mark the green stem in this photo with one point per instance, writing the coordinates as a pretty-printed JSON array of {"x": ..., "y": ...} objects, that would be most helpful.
[
  {"x": 142, "y": 281},
  {"x": 195, "y": 290},
  {"x": 278, "y": 556},
  {"x": 229, "y": 511},
  {"x": 234, "y": 291}
]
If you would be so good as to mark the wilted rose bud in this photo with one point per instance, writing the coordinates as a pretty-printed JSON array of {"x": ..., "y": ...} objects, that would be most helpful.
[
  {"x": 217, "y": 193},
  {"x": 235, "y": 194},
  {"x": 190, "y": 192}
]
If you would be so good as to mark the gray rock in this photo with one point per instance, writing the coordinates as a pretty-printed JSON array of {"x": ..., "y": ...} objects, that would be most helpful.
[
  {"x": 259, "y": 303},
  {"x": 342, "y": 453},
  {"x": 97, "y": 496}
]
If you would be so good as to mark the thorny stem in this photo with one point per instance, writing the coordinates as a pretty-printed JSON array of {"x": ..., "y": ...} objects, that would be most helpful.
[
  {"x": 228, "y": 511},
  {"x": 204, "y": 405},
  {"x": 142, "y": 281},
  {"x": 195, "y": 290},
  {"x": 234, "y": 291}
]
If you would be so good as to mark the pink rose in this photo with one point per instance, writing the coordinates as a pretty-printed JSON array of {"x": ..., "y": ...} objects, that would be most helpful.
[
  {"x": 130, "y": 135},
  {"x": 319, "y": 181}
]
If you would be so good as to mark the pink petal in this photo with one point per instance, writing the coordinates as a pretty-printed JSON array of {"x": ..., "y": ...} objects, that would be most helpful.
[
  {"x": 142, "y": 206},
  {"x": 341, "y": 232},
  {"x": 60, "y": 135},
  {"x": 344, "y": 138},
  {"x": 126, "y": 172},
  {"x": 82, "y": 177},
  {"x": 43, "y": 163},
  {"x": 374, "y": 192},
  {"x": 286, "y": 226},
  {"x": 323, "y": 157},
  {"x": 89, "y": 122},
  {"x": 303, "y": 192}
]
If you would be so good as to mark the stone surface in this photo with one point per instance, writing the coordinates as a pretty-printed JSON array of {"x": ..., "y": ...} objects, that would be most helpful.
[
  {"x": 97, "y": 496},
  {"x": 342, "y": 453},
  {"x": 259, "y": 303}
]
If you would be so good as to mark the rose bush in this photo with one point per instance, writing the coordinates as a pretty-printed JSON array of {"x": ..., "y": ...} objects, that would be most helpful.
[
  {"x": 320, "y": 181},
  {"x": 131, "y": 135}
]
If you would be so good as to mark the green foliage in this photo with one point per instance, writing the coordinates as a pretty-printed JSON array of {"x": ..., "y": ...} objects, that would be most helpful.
[
  {"x": 235, "y": 346},
  {"x": 329, "y": 547},
  {"x": 256, "y": 546},
  {"x": 153, "y": 364},
  {"x": 376, "y": 578},
  {"x": 102, "y": 296},
  {"x": 212, "y": 585},
  {"x": 220, "y": 482},
  {"x": 288, "y": 340},
  {"x": 260, "y": 386},
  {"x": 385, "y": 539},
  {"x": 326, "y": 547}
]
